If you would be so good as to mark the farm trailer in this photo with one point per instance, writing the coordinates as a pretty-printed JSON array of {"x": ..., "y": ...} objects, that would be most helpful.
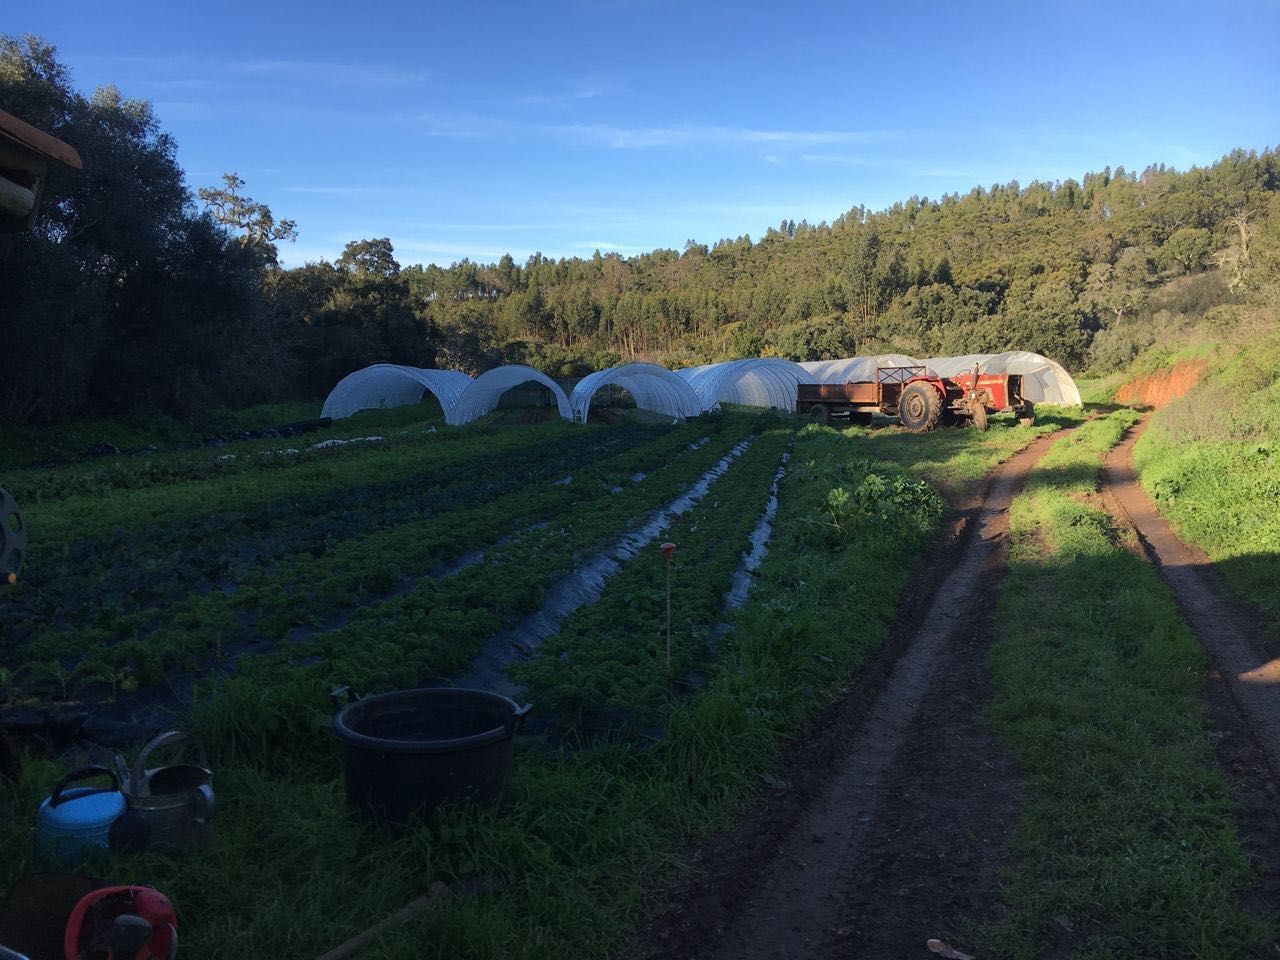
[{"x": 919, "y": 399}]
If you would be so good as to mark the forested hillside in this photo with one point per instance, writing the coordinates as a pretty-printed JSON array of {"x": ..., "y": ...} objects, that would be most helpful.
[{"x": 134, "y": 294}]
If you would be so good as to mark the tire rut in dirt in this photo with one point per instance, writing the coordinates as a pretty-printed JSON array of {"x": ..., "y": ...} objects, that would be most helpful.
[
  {"x": 798, "y": 904},
  {"x": 933, "y": 853},
  {"x": 1229, "y": 634}
]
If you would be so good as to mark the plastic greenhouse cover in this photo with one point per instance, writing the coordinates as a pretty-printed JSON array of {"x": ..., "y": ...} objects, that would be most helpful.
[
  {"x": 483, "y": 393},
  {"x": 385, "y": 385},
  {"x": 653, "y": 388},
  {"x": 854, "y": 369},
  {"x": 757, "y": 382},
  {"x": 1043, "y": 380}
]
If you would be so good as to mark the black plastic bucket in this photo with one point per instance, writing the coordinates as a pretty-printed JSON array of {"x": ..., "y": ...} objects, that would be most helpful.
[{"x": 405, "y": 753}]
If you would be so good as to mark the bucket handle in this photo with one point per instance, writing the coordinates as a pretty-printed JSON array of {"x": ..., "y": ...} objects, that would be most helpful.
[
  {"x": 516, "y": 720},
  {"x": 336, "y": 697},
  {"x": 203, "y": 803},
  {"x": 138, "y": 780},
  {"x": 84, "y": 773}
]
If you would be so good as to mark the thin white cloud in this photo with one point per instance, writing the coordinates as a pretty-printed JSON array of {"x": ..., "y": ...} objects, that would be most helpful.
[
  {"x": 682, "y": 135},
  {"x": 474, "y": 126},
  {"x": 944, "y": 172},
  {"x": 462, "y": 126},
  {"x": 608, "y": 246},
  {"x": 185, "y": 108},
  {"x": 575, "y": 93},
  {"x": 478, "y": 227},
  {"x": 665, "y": 211},
  {"x": 443, "y": 249},
  {"x": 339, "y": 191},
  {"x": 837, "y": 159},
  {"x": 333, "y": 73},
  {"x": 207, "y": 73}
]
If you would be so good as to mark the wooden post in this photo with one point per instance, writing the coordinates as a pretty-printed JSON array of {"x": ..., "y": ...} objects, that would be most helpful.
[{"x": 15, "y": 199}]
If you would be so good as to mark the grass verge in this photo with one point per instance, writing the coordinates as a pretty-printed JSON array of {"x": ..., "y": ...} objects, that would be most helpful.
[
  {"x": 1126, "y": 847},
  {"x": 1211, "y": 462}
]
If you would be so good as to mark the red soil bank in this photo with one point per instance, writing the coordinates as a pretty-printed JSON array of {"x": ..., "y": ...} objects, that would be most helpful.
[{"x": 1157, "y": 389}]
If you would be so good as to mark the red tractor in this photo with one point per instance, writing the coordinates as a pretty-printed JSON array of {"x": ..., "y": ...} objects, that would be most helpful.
[{"x": 918, "y": 398}]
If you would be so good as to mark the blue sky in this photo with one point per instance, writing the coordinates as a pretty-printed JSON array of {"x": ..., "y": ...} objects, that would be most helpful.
[{"x": 473, "y": 130}]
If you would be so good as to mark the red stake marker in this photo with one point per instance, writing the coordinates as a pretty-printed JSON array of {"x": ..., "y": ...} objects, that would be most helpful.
[{"x": 668, "y": 550}]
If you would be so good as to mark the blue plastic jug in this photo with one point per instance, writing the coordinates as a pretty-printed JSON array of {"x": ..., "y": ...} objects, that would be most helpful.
[{"x": 72, "y": 825}]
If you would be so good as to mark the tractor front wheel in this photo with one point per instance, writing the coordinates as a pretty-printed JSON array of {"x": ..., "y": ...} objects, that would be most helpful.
[
  {"x": 919, "y": 408},
  {"x": 980, "y": 416}
]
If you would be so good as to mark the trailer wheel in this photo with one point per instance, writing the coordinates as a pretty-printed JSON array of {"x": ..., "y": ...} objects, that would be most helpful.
[
  {"x": 819, "y": 413},
  {"x": 980, "y": 416},
  {"x": 919, "y": 408}
]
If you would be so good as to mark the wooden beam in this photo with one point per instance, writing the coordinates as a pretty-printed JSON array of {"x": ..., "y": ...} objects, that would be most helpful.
[
  {"x": 45, "y": 144},
  {"x": 18, "y": 158}
]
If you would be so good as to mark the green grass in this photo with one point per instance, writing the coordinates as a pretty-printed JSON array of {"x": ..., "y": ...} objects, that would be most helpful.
[
  {"x": 1095, "y": 390},
  {"x": 1211, "y": 462},
  {"x": 954, "y": 459},
  {"x": 1163, "y": 355},
  {"x": 1126, "y": 830}
]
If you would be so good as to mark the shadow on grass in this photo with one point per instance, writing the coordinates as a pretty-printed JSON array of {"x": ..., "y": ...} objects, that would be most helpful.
[{"x": 1102, "y": 704}]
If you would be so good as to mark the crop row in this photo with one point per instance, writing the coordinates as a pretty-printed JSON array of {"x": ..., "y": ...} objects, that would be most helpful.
[
  {"x": 158, "y": 468},
  {"x": 92, "y": 582},
  {"x": 307, "y": 588},
  {"x": 610, "y": 657},
  {"x": 435, "y": 458},
  {"x": 438, "y": 626}
]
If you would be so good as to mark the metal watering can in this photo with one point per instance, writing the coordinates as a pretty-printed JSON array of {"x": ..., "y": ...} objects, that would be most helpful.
[{"x": 176, "y": 801}]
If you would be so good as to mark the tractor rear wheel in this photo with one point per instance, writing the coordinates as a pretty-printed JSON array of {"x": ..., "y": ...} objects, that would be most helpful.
[
  {"x": 980, "y": 416},
  {"x": 819, "y": 413},
  {"x": 919, "y": 408}
]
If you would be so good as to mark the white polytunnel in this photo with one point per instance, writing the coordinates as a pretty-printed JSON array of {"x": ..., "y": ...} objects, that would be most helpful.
[
  {"x": 482, "y": 394},
  {"x": 854, "y": 369},
  {"x": 758, "y": 382},
  {"x": 653, "y": 388},
  {"x": 391, "y": 385},
  {"x": 1043, "y": 380}
]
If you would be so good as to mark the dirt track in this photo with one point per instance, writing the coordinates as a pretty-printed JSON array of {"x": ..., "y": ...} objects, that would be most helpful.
[
  {"x": 1228, "y": 634},
  {"x": 899, "y": 823},
  {"x": 871, "y": 858}
]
